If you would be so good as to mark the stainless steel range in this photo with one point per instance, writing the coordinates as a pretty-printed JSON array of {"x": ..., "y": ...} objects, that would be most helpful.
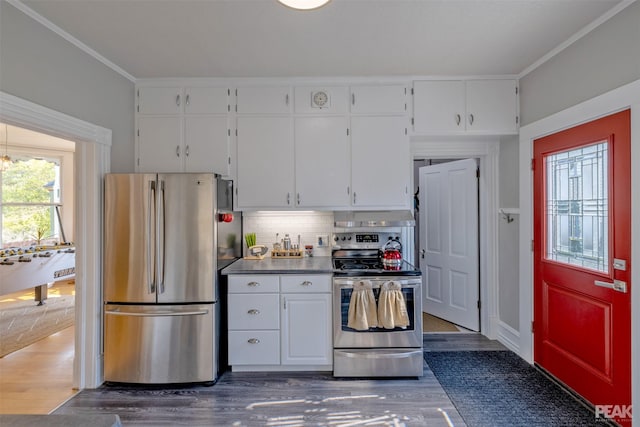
[{"x": 377, "y": 309}]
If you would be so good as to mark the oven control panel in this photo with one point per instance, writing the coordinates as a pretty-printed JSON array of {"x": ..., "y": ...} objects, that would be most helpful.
[{"x": 363, "y": 240}]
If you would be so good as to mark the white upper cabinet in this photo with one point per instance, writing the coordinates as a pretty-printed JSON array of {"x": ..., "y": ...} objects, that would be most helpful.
[
  {"x": 160, "y": 100},
  {"x": 473, "y": 106},
  {"x": 380, "y": 162},
  {"x": 206, "y": 146},
  {"x": 178, "y": 100},
  {"x": 322, "y": 161},
  {"x": 183, "y": 129},
  {"x": 265, "y": 162},
  {"x": 439, "y": 106},
  {"x": 321, "y": 100},
  {"x": 206, "y": 100},
  {"x": 263, "y": 100},
  {"x": 159, "y": 142},
  {"x": 492, "y": 106},
  {"x": 378, "y": 99}
]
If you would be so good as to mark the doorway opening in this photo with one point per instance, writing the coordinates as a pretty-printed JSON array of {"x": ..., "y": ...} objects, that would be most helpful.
[
  {"x": 447, "y": 238},
  {"x": 37, "y": 275}
]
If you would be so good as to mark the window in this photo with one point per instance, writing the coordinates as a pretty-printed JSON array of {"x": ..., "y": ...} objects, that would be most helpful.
[
  {"x": 577, "y": 207},
  {"x": 31, "y": 201}
]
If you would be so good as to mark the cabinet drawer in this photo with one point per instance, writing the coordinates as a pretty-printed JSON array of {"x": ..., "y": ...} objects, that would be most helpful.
[
  {"x": 254, "y": 348},
  {"x": 254, "y": 311},
  {"x": 260, "y": 283},
  {"x": 305, "y": 283}
]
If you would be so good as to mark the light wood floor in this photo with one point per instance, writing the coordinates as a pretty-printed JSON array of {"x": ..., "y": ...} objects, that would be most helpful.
[{"x": 38, "y": 378}]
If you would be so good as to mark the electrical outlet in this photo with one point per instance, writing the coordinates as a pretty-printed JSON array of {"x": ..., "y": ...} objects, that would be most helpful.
[{"x": 322, "y": 240}]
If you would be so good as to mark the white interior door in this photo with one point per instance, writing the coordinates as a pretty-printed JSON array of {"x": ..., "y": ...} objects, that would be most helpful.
[{"x": 449, "y": 242}]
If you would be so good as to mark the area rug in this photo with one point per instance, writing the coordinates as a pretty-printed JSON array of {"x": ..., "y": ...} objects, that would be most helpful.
[
  {"x": 23, "y": 322},
  {"x": 498, "y": 388}
]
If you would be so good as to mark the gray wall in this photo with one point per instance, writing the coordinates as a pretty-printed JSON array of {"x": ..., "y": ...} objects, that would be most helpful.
[
  {"x": 39, "y": 66},
  {"x": 604, "y": 59},
  {"x": 508, "y": 288}
]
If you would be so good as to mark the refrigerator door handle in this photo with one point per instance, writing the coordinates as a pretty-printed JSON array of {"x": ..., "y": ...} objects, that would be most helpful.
[
  {"x": 158, "y": 313},
  {"x": 151, "y": 256},
  {"x": 161, "y": 248}
]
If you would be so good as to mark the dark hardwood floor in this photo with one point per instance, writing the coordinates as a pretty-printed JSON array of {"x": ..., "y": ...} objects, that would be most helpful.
[{"x": 287, "y": 399}]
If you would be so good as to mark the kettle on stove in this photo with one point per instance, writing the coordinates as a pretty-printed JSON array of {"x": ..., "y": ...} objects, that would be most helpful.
[{"x": 392, "y": 255}]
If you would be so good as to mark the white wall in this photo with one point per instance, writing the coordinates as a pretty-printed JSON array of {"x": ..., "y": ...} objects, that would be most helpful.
[
  {"x": 606, "y": 58},
  {"x": 508, "y": 233},
  {"x": 39, "y": 66}
]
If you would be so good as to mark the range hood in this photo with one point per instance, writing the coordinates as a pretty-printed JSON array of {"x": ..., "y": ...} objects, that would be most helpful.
[{"x": 360, "y": 219}]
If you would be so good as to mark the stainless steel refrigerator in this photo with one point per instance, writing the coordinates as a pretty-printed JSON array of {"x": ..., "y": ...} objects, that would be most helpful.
[{"x": 160, "y": 278}]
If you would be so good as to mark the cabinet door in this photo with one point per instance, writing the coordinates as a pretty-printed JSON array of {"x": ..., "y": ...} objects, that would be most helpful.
[
  {"x": 321, "y": 99},
  {"x": 159, "y": 144},
  {"x": 265, "y": 162},
  {"x": 322, "y": 161},
  {"x": 206, "y": 146},
  {"x": 439, "y": 106},
  {"x": 306, "y": 329},
  {"x": 160, "y": 100},
  {"x": 263, "y": 100},
  {"x": 492, "y": 106},
  {"x": 385, "y": 99},
  {"x": 380, "y": 162},
  {"x": 206, "y": 100}
]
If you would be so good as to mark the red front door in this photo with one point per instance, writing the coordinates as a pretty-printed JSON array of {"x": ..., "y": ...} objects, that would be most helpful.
[{"x": 582, "y": 249}]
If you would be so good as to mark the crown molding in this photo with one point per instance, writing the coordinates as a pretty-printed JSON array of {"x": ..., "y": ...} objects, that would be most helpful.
[{"x": 68, "y": 37}]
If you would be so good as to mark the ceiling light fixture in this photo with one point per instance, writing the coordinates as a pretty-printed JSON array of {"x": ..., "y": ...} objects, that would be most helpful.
[
  {"x": 304, "y": 4},
  {"x": 5, "y": 160}
]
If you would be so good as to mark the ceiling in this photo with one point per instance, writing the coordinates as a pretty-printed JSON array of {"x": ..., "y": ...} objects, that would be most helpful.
[{"x": 261, "y": 38}]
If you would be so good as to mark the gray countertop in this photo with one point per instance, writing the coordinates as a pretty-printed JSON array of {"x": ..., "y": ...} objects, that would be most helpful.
[{"x": 321, "y": 264}]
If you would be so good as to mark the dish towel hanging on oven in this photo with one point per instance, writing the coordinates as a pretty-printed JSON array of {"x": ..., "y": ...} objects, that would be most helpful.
[
  {"x": 362, "y": 307},
  {"x": 392, "y": 308}
]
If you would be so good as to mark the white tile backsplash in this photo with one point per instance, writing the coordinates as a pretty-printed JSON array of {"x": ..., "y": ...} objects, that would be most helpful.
[{"x": 308, "y": 224}]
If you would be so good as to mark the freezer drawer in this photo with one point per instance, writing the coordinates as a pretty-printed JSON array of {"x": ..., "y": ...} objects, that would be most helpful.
[{"x": 159, "y": 344}]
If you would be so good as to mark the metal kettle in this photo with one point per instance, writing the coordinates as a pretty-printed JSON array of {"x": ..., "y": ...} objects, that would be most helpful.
[{"x": 392, "y": 254}]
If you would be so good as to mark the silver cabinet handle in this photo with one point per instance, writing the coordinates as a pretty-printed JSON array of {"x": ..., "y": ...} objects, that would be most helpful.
[
  {"x": 458, "y": 119},
  {"x": 298, "y": 198},
  {"x": 422, "y": 252},
  {"x": 471, "y": 119},
  {"x": 253, "y": 311},
  {"x": 187, "y": 100},
  {"x": 178, "y": 100},
  {"x": 288, "y": 198},
  {"x": 306, "y": 283},
  {"x": 177, "y": 151},
  {"x": 353, "y": 99},
  {"x": 617, "y": 285},
  {"x": 354, "y": 197},
  {"x": 186, "y": 151},
  {"x": 286, "y": 99},
  {"x": 253, "y": 284},
  {"x": 253, "y": 340}
]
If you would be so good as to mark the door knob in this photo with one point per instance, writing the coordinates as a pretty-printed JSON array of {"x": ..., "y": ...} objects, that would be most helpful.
[{"x": 422, "y": 252}]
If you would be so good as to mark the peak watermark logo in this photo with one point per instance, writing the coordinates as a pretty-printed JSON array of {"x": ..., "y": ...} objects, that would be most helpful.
[{"x": 610, "y": 412}]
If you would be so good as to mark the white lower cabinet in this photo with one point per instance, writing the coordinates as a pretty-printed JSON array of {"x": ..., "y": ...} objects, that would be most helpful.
[{"x": 287, "y": 327}]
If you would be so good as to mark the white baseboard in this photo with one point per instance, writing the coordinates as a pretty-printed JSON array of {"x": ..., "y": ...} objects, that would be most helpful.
[{"x": 509, "y": 337}]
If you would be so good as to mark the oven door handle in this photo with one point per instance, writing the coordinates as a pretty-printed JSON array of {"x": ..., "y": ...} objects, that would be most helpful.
[{"x": 377, "y": 283}]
